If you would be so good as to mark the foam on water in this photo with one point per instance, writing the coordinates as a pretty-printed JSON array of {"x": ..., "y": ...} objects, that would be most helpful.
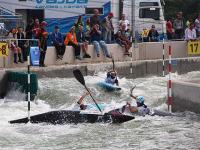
[{"x": 150, "y": 132}]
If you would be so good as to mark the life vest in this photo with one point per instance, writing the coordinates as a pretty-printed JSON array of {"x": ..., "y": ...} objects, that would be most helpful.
[
  {"x": 111, "y": 80},
  {"x": 145, "y": 33}
]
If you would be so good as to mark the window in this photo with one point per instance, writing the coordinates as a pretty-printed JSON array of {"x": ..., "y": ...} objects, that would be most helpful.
[
  {"x": 153, "y": 13},
  {"x": 90, "y": 11},
  {"x": 144, "y": 4}
]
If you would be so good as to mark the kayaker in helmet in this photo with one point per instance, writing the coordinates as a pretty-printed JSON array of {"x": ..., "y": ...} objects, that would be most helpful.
[
  {"x": 112, "y": 77},
  {"x": 141, "y": 108}
]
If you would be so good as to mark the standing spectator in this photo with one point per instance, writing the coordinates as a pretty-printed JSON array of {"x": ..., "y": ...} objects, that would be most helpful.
[
  {"x": 83, "y": 42},
  {"x": 153, "y": 34},
  {"x": 87, "y": 31},
  {"x": 97, "y": 42},
  {"x": 21, "y": 43},
  {"x": 123, "y": 40},
  {"x": 197, "y": 25},
  {"x": 14, "y": 46},
  {"x": 43, "y": 36},
  {"x": 107, "y": 28},
  {"x": 95, "y": 18},
  {"x": 124, "y": 21},
  {"x": 190, "y": 33},
  {"x": 29, "y": 29},
  {"x": 179, "y": 26},
  {"x": 72, "y": 41},
  {"x": 36, "y": 28},
  {"x": 78, "y": 23},
  {"x": 58, "y": 42},
  {"x": 170, "y": 30}
]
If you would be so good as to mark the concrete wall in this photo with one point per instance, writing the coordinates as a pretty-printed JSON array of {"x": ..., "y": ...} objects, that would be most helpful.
[
  {"x": 186, "y": 96},
  {"x": 144, "y": 51},
  {"x": 3, "y": 83}
]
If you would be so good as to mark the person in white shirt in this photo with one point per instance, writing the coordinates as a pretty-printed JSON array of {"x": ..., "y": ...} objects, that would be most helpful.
[
  {"x": 197, "y": 25},
  {"x": 124, "y": 21},
  {"x": 190, "y": 33}
]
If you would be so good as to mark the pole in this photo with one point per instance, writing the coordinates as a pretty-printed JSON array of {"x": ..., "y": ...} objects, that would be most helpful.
[
  {"x": 29, "y": 84},
  {"x": 163, "y": 56},
  {"x": 133, "y": 45},
  {"x": 170, "y": 82}
]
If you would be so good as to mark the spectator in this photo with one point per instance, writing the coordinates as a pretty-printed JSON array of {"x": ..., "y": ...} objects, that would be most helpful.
[
  {"x": 145, "y": 34},
  {"x": 21, "y": 43},
  {"x": 87, "y": 30},
  {"x": 78, "y": 23},
  {"x": 43, "y": 37},
  {"x": 29, "y": 29},
  {"x": 13, "y": 45},
  {"x": 178, "y": 26},
  {"x": 97, "y": 42},
  {"x": 36, "y": 28},
  {"x": 83, "y": 42},
  {"x": 170, "y": 30},
  {"x": 72, "y": 41},
  {"x": 58, "y": 42},
  {"x": 107, "y": 28},
  {"x": 123, "y": 40},
  {"x": 153, "y": 34},
  {"x": 190, "y": 33},
  {"x": 197, "y": 25},
  {"x": 95, "y": 18},
  {"x": 124, "y": 21}
]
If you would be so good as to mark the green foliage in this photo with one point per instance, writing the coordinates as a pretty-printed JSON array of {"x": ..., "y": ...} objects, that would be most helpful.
[{"x": 190, "y": 8}]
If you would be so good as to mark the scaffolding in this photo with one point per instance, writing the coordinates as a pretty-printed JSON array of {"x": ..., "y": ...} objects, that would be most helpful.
[{"x": 9, "y": 20}]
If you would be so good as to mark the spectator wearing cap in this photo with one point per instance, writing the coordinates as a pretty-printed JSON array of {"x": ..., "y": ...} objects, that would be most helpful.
[
  {"x": 82, "y": 41},
  {"x": 43, "y": 37},
  {"x": 97, "y": 42},
  {"x": 153, "y": 34},
  {"x": 58, "y": 42},
  {"x": 107, "y": 28},
  {"x": 190, "y": 33},
  {"x": 72, "y": 41}
]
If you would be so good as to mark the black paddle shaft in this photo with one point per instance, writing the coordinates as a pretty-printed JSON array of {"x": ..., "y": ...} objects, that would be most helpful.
[{"x": 79, "y": 76}]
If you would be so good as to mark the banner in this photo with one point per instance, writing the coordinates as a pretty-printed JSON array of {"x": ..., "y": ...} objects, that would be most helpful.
[
  {"x": 193, "y": 47},
  {"x": 4, "y": 50},
  {"x": 35, "y": 56}
]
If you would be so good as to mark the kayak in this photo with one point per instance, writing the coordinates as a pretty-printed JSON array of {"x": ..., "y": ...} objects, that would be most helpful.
[
  {"x": 108, "y": 86},
  {"x": 69, "y": 116}
]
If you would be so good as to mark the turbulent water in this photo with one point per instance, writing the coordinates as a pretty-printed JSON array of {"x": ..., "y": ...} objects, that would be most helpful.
[{"x": 145, "y": 133}]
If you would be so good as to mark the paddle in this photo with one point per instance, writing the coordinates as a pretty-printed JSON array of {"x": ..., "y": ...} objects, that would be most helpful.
[
  {"x": 78, "y": 75},
  {"x": 113, "y": 62}
]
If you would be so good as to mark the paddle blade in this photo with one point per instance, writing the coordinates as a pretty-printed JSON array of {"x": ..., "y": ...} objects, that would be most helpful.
[
  {"x": 79, "y": 76},
  {"x": 113, "y": 62}
]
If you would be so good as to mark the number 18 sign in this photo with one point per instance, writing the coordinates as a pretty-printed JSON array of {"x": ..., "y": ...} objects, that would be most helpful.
[
  {"x": 193, "y": 47},
  {"x": 4, "y": 49}
]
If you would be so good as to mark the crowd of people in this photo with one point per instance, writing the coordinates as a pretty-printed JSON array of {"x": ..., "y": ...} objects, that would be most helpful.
[
  {"x": 179, "y": 28},
  {"x": 95, "y": 31}
]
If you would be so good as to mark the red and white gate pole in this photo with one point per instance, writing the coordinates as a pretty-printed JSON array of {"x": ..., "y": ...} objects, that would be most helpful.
[
  {"x": 163, "y": 57},
  {"x": 170, "y": 82}
]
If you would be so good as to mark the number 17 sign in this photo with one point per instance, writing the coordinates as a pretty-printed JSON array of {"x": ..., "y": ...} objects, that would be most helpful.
[{"x": 194, "y": 47}]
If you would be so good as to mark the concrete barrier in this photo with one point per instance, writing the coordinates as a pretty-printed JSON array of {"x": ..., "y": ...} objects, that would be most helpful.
[
  {"x": 186, "y": 96},
  {"x": 144, "y": 51}
]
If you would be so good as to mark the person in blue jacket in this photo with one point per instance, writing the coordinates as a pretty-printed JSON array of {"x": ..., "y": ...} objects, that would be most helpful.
[
  {"x": 112, "y": 78},
  {"x": 58, "y": 41}
]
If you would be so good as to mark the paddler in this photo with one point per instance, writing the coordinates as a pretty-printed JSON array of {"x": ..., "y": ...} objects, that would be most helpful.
[
  {"x": 141, "y": 109},
  {"x": 112, "y": 78}
]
